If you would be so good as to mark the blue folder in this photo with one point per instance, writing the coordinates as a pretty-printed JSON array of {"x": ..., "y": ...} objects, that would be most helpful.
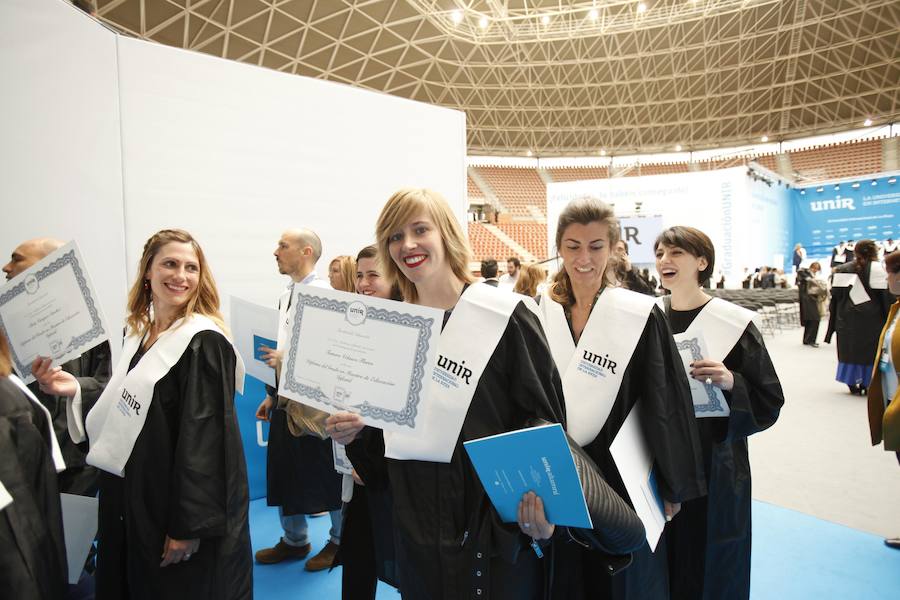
[
  {"x": 536, "y": 460},
  {"x": 258, "y": 341}
]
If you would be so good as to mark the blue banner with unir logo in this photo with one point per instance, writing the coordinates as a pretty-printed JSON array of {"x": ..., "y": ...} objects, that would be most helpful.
[{"x": 825, "y": 215}]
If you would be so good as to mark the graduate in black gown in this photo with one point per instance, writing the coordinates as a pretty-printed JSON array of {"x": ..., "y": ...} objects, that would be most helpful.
[
  {"x": 367, "y": 534},
  {"x": 709, "y": 542},
  {"x": 32, "y": 549},
  {"x": 175, "y": 524},
  {"x": 587, "y": 231},
  {"x": 858, "y": 325}
]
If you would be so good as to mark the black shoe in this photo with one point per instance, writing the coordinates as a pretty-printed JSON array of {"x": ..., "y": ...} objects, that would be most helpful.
[
  {"x": 815, "y": 344},
  {"x": 892, "y": 543}
]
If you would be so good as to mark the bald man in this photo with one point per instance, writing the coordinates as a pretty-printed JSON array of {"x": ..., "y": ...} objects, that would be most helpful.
[
  {"x": 85, "y": 376},
  {"x": 300, "y": 475}
]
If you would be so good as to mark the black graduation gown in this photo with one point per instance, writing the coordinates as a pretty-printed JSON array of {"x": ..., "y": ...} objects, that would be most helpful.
[
  {"x": 92, "y": 369},
  {"x": 450, "y": 542},
  {"x": 809, "y": 307},
  {"x": 858, "y": 326},
  {"x": 367, "y": 531},
  {"x": 186, "y": 478},
  {"x": 710, "y": 539},
  {"x": 32, "y": 547},
  {"x": 654, "y": 376}
]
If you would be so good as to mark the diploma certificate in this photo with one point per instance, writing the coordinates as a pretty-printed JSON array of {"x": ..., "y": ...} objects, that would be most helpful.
[
  {"x": 709, "y": 401},
  {"x": 254, "y": 326},
  {"x": 361, "y": 354},
  {"x": 51, "y": 309}
]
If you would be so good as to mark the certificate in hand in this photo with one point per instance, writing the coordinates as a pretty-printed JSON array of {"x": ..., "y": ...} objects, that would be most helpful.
[
  {"x": 362, "y": 354},
  {"x": 709, "y": 401},
  {"x": 254, "y": 326},
  {"x": 51, "y": 309}
]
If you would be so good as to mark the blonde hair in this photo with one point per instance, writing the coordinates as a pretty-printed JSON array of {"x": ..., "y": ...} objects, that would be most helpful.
[
  {"x": 400, "y": 209},
  {"x": 5, "y": 358},
  {"x": 205, "y": 300},
  {"x": 347, "y": 267},
  {"x": 583, "y": 211},
  {"x": 529, "y": 279}
]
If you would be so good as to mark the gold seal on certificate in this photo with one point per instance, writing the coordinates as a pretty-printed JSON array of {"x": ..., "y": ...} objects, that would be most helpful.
[
  {"x": 367, "y": 355},
  {"x": 51, "y": 309}
]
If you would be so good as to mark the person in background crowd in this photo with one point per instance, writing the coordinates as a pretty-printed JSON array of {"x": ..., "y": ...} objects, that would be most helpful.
[
  {"x": 647, "y": 382},
  {"x": 798, "y": 257},
  {"x": 300, "y": 475},
  {"x": 884, "y": 393},
  {"x": 850, "y": 251},
  {"x": 890, "y": 246},
  {"x": 628, "y": 274},
  {"x": 780, "y": 280},
  {"x": 530, "y": 279},
  {"x": 650, "y": 279},
  {"x": 512, "y": 272},
  {"x": 367, "y": 538},
  {"x": 173, "y": 489},
  {"x": 489, "y": 272},
  {"x": 720, "y": 284},
  {"x": 838, "y": 254},
  {"x": 813, "y": 292},
  {"x": 859, "y": 306},
  {"x": 342, "y": 273},
  {"x": 748, "y": 279},
  {"x": 709, "y": 543},
  {"x": 32, "y": 548}
]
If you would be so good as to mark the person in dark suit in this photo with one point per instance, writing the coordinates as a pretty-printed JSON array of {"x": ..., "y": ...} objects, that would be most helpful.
[{"x": 489, "y": 272}]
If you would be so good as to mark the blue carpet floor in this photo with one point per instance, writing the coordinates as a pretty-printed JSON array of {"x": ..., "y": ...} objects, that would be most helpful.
[{"x": 795, "y": 557}]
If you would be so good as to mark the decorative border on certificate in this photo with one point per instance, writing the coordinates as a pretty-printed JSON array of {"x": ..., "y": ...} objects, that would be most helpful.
[
  {"x": 32, "y": 283},
  {"x": 404, "y": 417},
  {"x": 714, "y": 405}
]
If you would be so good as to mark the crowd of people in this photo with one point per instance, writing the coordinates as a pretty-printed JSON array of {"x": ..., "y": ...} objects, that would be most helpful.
[{"x": 172, "y": 482}]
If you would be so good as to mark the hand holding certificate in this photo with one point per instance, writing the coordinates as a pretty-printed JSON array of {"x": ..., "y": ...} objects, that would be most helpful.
[
  {"x": 255, "y": 330},
  {"x": 362, "y": 354},
  {"x": 51, "y": 310}
]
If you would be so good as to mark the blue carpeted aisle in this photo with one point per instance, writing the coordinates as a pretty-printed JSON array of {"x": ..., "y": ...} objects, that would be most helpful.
[{"x": 795, "y": 557}]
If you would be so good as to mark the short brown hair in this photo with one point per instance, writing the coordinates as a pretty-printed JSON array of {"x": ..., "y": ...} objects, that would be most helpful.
[
  {"x": 205, "y": 300},
  {"x": 694, "y": 242},
  {"x": 529, "y": 280},
  {"x": 372, "y": 252},
  {"x": 582, "y": 212},
  {"x": 892, "y": 262}
]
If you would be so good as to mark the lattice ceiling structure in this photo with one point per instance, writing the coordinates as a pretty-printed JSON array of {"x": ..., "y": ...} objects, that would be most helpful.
[{"x": 571, "y": 77}]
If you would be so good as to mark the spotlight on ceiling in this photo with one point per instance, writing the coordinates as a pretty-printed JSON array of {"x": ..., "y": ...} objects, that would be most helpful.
[
  {"x": 678, "y": 148},
  {"x": 602, "y": 152},
  {"x": 764, "y": 139},
  {"x": 867, "y": 123},
  {"x": 457, "y": 16},
  {"x": 593, "y": 14},
  {"x": 529, "y": 153},
  {"x": 545, "y": 19},
  {"x": 483, "y": 22},
  {"x": 641, "y": 7}
]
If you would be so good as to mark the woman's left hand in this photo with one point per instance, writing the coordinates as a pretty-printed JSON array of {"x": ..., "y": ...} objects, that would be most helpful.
[
  {"x": 53, "y": 380},
  {"x": 176, "y": 551},
  {"x": 716, "y": 372},
  {"x": 532, "y": 520}
]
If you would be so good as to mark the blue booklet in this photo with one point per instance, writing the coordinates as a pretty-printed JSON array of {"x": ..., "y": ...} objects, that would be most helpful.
[{"x": 531, "y": 460}]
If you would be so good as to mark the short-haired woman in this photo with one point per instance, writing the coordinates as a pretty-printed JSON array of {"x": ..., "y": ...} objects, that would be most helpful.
[
  {"x": 617, "y": 360},
  {"x": 858, "y": 309},
  {"x": 530, "y": 278},
  {"x": 173, "y": 487},
  {"x": 709, "y": 542}
]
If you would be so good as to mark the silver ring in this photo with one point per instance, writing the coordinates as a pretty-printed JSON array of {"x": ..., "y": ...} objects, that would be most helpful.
[
  {"x": 708, "y": 381},
  {"x": 526, "y": 525},
  {"x": 187, "y": 556}
]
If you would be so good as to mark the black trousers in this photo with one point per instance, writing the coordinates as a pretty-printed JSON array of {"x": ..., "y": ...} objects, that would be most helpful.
[{"x": 810, "y": 331}]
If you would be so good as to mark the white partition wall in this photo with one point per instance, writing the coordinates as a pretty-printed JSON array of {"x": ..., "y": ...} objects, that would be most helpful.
[
  {"x": 236, "y": 154},
  {"x": 60, "y": 160}
]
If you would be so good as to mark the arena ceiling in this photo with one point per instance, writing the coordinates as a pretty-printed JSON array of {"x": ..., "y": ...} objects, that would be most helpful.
[{"x": 571, "y": 77}]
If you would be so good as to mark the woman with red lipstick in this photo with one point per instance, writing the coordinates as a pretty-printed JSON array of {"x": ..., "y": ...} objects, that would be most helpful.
[
  {"x": 618, "y": 363},
  {"x": 173, "y": 482},
  {"x": 709, "y": 542}
]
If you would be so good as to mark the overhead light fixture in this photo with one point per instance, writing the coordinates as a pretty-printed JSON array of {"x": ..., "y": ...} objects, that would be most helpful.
[
  {"x": 529, "y": 153},
  {"x": 820, "y": 189},
  {"x": 868, "y": 123},
  {"x": 641, "y": 7},
  {"x": 892, "y": 180},
  {"x": 457, "y": 16},
  {"x": 764, "y": 139},
  {"x": 837, "y": 187},
  {"x": 483, "y": 22},
  {"x": 602, "y": 152},
  {"x": 802, "y": 192},
  {"x": 874, "y": 182},
  {"x": 593, "y": 14},
  {"x": 855, "y": 185},
  {"x": 678, "y": 148},
  {"x": 545, "y": 19}
]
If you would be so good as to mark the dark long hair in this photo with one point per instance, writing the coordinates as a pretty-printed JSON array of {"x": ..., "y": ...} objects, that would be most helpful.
[{"x": 864, "y": 252}]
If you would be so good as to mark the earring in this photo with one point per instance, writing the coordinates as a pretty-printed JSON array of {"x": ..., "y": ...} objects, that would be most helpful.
[{"x": 146, "y": 284}]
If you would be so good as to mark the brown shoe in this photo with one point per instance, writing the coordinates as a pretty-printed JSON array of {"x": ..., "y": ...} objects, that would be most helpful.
[
  {"x": 282, "y": 551},
  {"x": 323, "y": 559}
]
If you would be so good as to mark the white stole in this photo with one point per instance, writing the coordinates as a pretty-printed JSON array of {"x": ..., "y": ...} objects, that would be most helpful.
[
  {"x": 592, "y": 371},
  {"x": 465, "y": 347},
  {"x": 5, "y": 498},
  {"x": 55, "y": 452},
  {"x": 858, "y": 293},
  {"x": 116, "y": 421},
  {"x": 720, "y": 325}
]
